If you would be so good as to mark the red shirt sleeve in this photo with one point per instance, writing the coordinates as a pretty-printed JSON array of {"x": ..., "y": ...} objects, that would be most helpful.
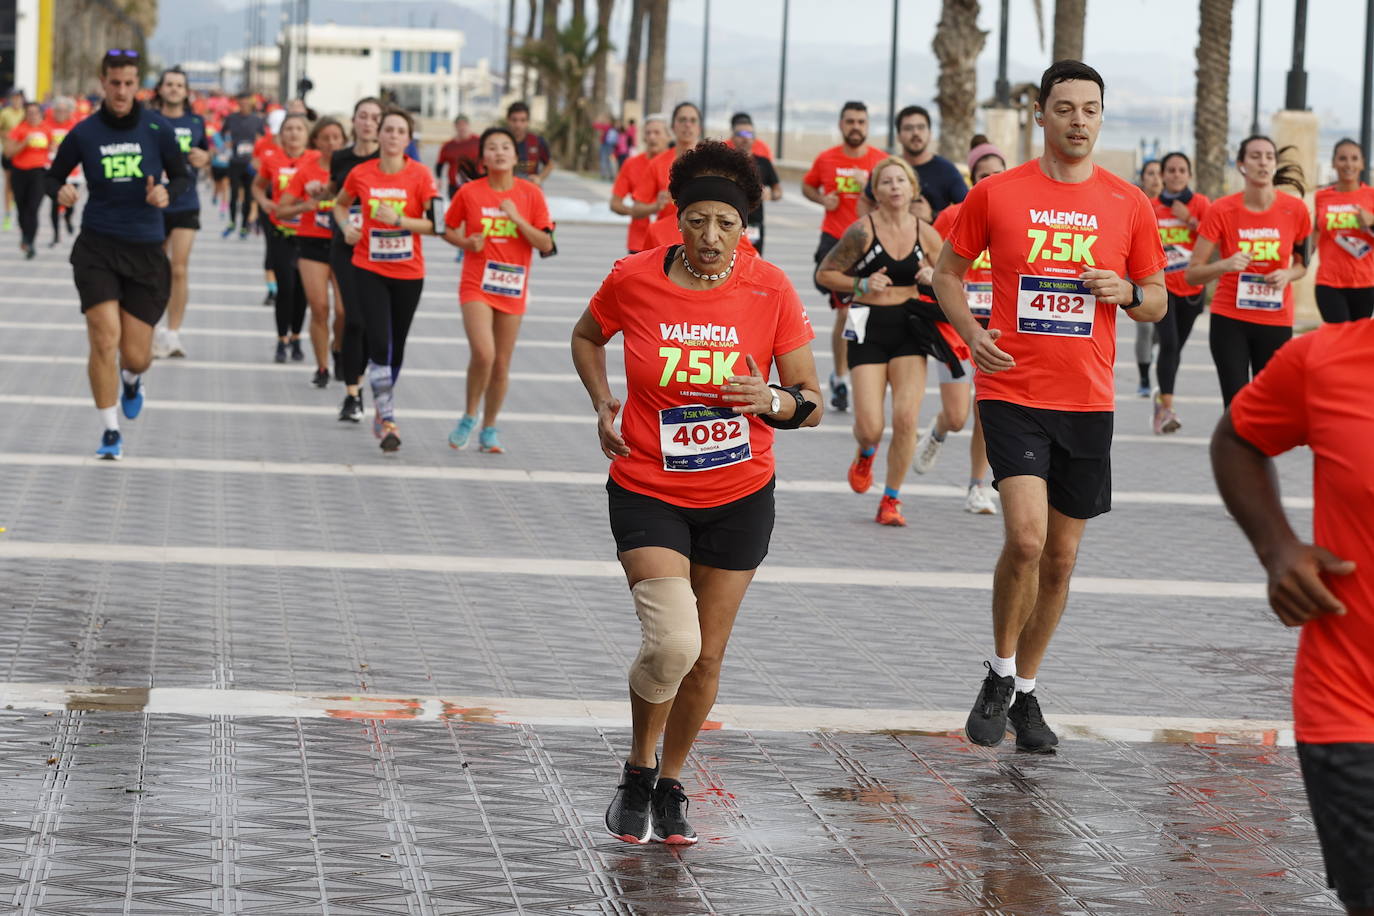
[
  {"x": 969, "y": 235},
  {"x": 813, "y": 176},
  {"x": 622, "y": 181},
  {"x": 605, "y": 304},
  {"x": 945, "y": 221},
  {"x": 353, "y": 185},
  {"x": 296, "y": 186},
  {"x": 794, "y": 325},
  {"x": 425, "y": 191},
  {"x": 1147, "y": 252},
  {"x": 1213, "y": 226},
  {"x": 1271, "y": 412},
  {"x": 1303, "y": 220},
  {"x": 538, "y": 210},
  {"x": 453, "y": 218}
]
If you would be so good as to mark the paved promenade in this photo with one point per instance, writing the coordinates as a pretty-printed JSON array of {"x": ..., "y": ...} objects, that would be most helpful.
[{"x": 259, "y": 667}]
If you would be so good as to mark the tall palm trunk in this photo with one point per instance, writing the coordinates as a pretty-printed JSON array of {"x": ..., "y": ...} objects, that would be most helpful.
[
  {"x": 526, "y": 69},
  {"x": 1213, "y": 98},
  {"x": 1069, "y": 16},
  {"x": 510, "y": 40},
  {"x": 604, "y": 8},
  {"x": 631, "y": 88},
  {"x": 958, "y": 42},
  {"x": 657, "y": 55},
  {"x": 548, "y": 28}
]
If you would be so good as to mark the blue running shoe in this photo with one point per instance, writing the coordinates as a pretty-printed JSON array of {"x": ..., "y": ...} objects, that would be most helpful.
[
  {"x": 228, "y": 231},
  {"x": 111, "y": 446},
  {"x": 489, "y": 442},
  {"x": 131, "y": 399},
  {"x": 462, "y": 432}
]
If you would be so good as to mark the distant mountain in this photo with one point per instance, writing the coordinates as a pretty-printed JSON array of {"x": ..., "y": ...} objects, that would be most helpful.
[{"x": 208, "y": 28}]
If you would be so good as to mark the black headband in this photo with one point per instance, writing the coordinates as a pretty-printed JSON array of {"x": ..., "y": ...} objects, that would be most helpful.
[{"x": 713, "y": 187}]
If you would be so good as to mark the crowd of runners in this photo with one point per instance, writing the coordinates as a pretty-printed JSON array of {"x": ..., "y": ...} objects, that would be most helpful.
[{"x": 1011, "y": 280}]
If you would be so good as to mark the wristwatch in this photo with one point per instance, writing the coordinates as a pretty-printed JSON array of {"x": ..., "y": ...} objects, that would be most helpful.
[
  {"x": 777, "y": 403},
  {"x": 1135, "y": 298}
]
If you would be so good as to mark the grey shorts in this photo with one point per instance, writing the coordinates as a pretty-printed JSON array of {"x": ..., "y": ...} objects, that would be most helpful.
[{"x": 944, "y": 377}]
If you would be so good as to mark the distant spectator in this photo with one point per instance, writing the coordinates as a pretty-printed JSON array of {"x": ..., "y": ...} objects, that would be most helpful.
[
  {"x": 741, "y": 119},
  {"x": 534, "y": 162},
  {"x": 461, "y": 155}
]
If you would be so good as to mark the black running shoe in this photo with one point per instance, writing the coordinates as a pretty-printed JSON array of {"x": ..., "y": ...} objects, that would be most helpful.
[
  {"x": 352, "y": 409},
  {"x": 670, "y": 814},
  {"x": 297, "y": 354},
  {"x": 839, "y": 395},
  {"x": 987, "y": 723},
  {"x": 630, "y": 815},
  {"x": 321, "y": 379},
  {"x": 270, "y": 298},
  {"x": 281, "y": 351},
  {"x": 1032, "y": 734}
]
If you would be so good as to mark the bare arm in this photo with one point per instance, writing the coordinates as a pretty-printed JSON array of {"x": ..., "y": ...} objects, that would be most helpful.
[
  {"x": 1202, "y": 270},
  {"x": 798, "y": 367},
  {"x": 834, "y": 270},
  {"x": 812, "y": 194},
  {"x": 260, "y": 194},
  {"x": 776, "y": 191},
  {"x": 950, "y": 271},
  {"x": 589, "y": 357},
  {"x": 289, "y": 207}
]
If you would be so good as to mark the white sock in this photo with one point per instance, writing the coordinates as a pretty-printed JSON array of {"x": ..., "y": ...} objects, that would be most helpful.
[
  {"x": 1025, "y": 684},
  {"x": 842, "y": 379},
  {"x": 109, "y": 416},
  {"x": 130, "y": 378},
  {"x": 1003, "y": 667}
]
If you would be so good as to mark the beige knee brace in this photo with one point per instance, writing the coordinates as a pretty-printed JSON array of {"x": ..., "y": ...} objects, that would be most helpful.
[{"x": 667, "y": 612}]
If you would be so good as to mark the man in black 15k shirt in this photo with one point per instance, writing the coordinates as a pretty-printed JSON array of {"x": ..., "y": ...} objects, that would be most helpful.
[{"x": 122, "y": 274}]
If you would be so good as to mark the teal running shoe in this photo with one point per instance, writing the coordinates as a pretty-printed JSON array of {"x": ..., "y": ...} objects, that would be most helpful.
[{"x": 458, "y": 439}]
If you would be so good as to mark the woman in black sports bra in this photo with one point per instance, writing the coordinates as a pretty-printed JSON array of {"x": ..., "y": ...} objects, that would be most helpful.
[{"x": 884, "y": 262}]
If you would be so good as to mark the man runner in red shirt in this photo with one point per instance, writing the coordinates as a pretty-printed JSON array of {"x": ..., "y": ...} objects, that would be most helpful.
[{"x": 1069, "y": 243}]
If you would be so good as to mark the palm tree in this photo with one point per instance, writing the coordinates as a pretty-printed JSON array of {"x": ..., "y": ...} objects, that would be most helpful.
[
  {"x": 564, "y": 64},
  {"x": 658, "y": 53},
  {"x": 958, "y": 41},
  {"x": 1211, "y": 108},
  {"x": 529, "y": 40},
  {"x": 604, "y": 8},
  {"x": 631, "y": 88},
  {"x": 1069, "y": 16},
  {"x": 510, "y": 40}
]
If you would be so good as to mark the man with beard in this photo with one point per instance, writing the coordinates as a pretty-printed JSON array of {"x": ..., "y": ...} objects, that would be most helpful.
[
  {"x": 941, "y": 183},
  {"x": 836, "y": 181}
]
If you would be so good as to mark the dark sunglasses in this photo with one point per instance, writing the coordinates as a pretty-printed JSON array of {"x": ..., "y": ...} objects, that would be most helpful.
[{"x": 121, "y": 52}]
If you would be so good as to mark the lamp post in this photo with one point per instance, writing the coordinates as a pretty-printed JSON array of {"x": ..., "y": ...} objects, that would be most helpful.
[
  {"x": 705, "y": 62},
  {"x": 1003, "y": 86},
  {"x": 1367, "y": 96},
  {"x": 892, "y": 83},
  {"x": 1296, "y": 97},
  {"x": 782, "y": 75},
  {"x": 1259, "y": 31}
]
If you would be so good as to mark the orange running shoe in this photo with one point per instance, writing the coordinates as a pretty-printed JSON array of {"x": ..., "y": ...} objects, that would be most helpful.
[
  {"x": 861, "y": 473},
  {"x": 890, "y": 512}
]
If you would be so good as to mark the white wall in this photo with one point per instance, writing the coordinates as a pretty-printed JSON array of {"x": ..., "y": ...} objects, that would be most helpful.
[
  {"x": 340, "y": 80},
  {"x": 26, "y": 47}
]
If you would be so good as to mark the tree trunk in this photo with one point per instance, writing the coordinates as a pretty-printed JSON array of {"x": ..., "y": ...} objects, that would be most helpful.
[
  {"x": 548, "y": 34},
  {"x": 631, "y": 88},
  {"x": 510, "y": 41},
  {"x": 1068, "y": 29},
  {"x": 525, "y": 69},
  {"x": 1212, "y": 106},
  {"x": 657, "y": 54},
  {"x": 580, "y": 9},
  {"x": 958, "y": 42},
  {"x": 604, "y": 9}
]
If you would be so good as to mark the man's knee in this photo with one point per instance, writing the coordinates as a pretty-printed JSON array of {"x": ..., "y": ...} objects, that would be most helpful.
[
  {"x": 671, "y": 644},
  {"x": 1024, "y": 545}
]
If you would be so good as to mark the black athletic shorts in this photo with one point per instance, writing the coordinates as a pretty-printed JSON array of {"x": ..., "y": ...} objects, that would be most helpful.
[
  {"x": 1070, "y": 450},
  {"x": 827, "y": 242},
  {"x": 888, "y": 333},
  {"x": 219, "y": 172},
  {"x": 181, "y": 219},
  {"x": 138, "y": 275},
  {"x": 313, "y": 249},
  {"x": 1340, "y": 789},
  {"x": 732, "y": 536}
]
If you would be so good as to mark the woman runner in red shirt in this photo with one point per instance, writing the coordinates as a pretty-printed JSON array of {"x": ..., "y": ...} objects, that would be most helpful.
[
  {"x": 279, "y": 164},
  {"x": 499, "y": 221},
  {"x": 399, "y": 204},
  {"x": 1178, "y": 212},
  {"x": 1345, "y": 239},
  {"x": 691, "y": 488},
  {"x": 307, "y": 196}
]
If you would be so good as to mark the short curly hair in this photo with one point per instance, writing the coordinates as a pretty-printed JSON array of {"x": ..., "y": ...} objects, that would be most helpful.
[{"x": 712, "y": 157}]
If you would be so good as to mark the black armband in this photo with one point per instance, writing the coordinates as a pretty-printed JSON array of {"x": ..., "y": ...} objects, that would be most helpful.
[
  {"x": 436, "y": 215},
  {"x": 804, "y": 409},
  {"x": 552, "y": 238},
  {"x": 1303, "y": 249}
]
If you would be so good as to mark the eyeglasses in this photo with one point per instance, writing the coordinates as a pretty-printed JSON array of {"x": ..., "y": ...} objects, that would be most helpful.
[{"x": 121, "y": 52}]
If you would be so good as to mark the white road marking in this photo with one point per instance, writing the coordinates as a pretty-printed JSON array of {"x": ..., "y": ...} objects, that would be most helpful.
[
  {"x": 518, "y": 476},
  {"x": 554, "y": 711},
  {"x": 540, "y": 567}
]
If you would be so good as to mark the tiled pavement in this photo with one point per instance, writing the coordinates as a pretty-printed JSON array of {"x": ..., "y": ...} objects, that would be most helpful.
[{"x": 286, "y": 534}]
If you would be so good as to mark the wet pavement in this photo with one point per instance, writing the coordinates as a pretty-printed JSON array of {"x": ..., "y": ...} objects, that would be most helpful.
[{"x": 259, "y": 668}]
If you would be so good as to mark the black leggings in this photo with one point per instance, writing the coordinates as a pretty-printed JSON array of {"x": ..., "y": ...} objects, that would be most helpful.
[
  {"x": 57, "y": 215},
  {"x": 1173, "y": 330},
  {"x": 353, "y": 347},
  {"x": 1338, "y": 303},
  {"x": 240, "y": 189},
  {"x": 1241, "y": 349},
  {"x": 28, "y": 198},
  {"x": 281, "y": 255},
  {"x": 388, "y": 307}
]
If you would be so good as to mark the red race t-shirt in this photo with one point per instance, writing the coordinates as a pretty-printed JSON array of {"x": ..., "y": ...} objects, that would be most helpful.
[
  {"x": 846, "y": 176},
  {"x": 1178, "y": 240},
  {"x": 659, "y": 171},
  {"x": 687, "y": 447},
  {"x": 390, "y": 250},
  {"x": 761, "y": 149},
  {"x": 263, "y": 144},
  {"x": 1345, "y": 249},
  {"x": 315, "y": 223},
  {"x": 634, "y": 180},
  {"x": 978, "y": 279},
  {"x": 1039, "y": 235},
  {"x": 1315, "y": 392},
  {"x": 35, "y": 146},
  {"x": 498, "y": 274},
  {"x": 1269, "y": 237},
  {"x": 277, "y": 169}
]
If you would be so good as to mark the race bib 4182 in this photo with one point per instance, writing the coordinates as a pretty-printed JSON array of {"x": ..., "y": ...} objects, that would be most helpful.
[{"x": 1058, "y": 306}]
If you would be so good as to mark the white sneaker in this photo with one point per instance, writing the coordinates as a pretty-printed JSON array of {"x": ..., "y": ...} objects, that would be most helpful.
[
  {"x": 979, "y": 501},
  {"x": 174, "y": 347},
  {"x": 927, "y": 450},
  {"x": 161, "y": 348}
]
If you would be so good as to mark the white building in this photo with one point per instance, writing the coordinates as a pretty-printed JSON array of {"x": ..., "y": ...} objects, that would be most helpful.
[
  {"x": 255, "y": 69},
  {"x": 418, "y": 68}
]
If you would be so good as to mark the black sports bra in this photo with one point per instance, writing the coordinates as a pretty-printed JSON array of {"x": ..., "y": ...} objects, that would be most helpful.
[{"x": 901, "y": 272}]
